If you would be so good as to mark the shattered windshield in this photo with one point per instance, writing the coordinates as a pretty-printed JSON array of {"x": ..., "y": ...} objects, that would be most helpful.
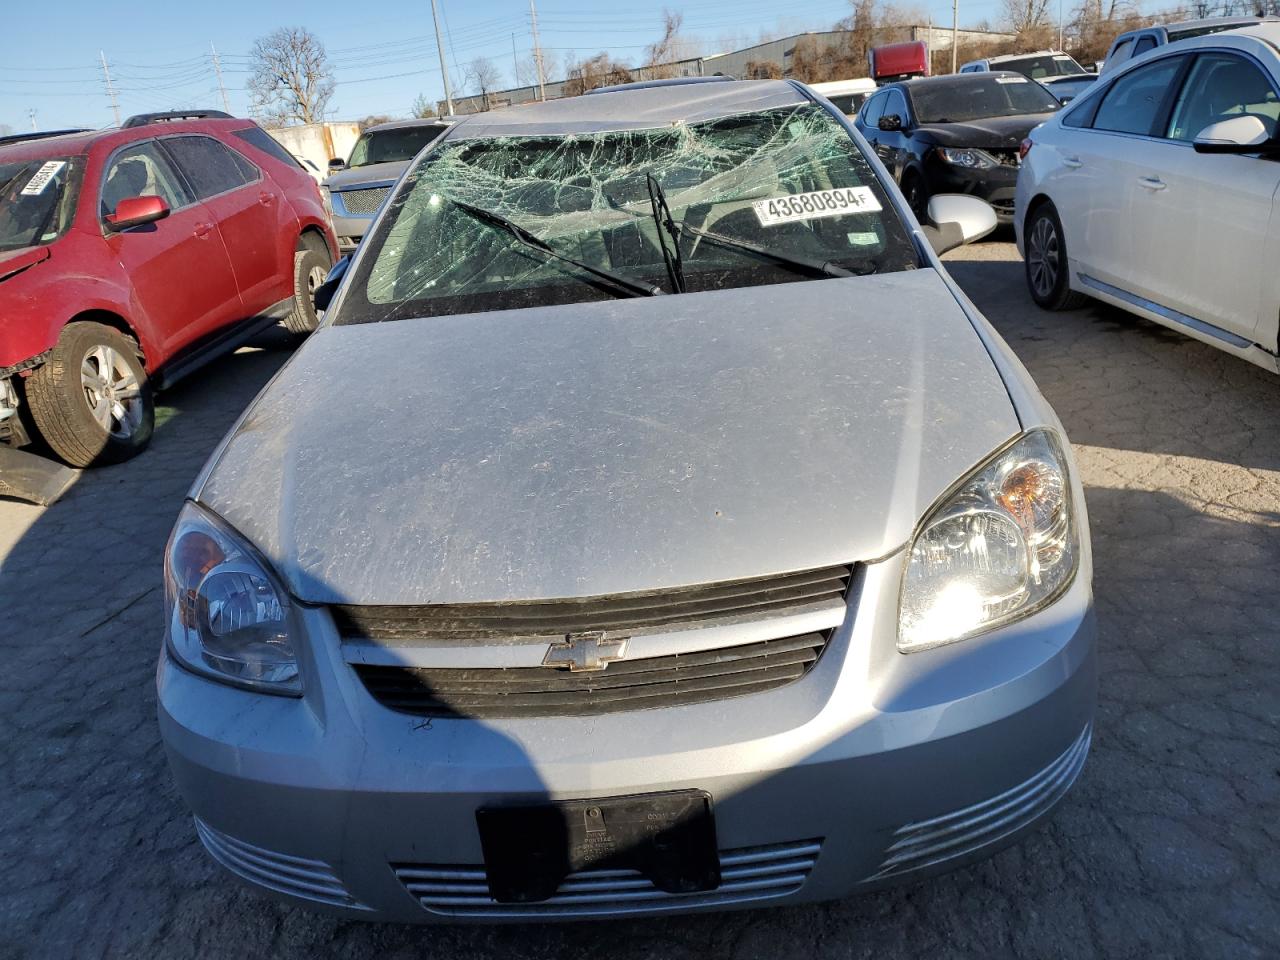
[
  {"x": 789, "y": 182},
  {"x": 37, "y": 200}
]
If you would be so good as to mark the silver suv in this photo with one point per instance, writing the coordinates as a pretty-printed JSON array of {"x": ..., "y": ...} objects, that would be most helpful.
[{"x": 358, "y": 185}]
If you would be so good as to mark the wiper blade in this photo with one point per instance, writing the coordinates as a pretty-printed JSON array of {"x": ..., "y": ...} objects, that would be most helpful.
[
  {"x": 825, "y": 267},
  {"x": 630, "y": 287},
  {"x": 663, "y": 220}
]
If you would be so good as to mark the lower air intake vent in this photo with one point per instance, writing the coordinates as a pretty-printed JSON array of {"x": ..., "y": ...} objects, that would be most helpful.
[
  {"x": 307, "y": 879},
  {"x": 749, "y": 874},
  {"x": 965, "y": 831}
]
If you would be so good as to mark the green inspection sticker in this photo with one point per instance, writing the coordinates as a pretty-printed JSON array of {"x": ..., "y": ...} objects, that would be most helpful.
[{"x": 869, "y": 239}]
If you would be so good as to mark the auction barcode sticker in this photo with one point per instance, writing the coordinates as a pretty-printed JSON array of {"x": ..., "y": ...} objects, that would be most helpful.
[
  {"x": 817, "y": 203},
  {"x": 42, "y": 177}
]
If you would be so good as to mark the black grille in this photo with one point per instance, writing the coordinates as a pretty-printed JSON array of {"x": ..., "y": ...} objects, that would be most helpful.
[
  {"x": 625, "y": 685},
  {"x": 552, "y": 619},
  {"x": 1007, "y": 158}
]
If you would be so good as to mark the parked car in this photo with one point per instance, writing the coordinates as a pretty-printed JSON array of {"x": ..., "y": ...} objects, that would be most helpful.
[
  {"x": 1036, "y": 66},
  {"x": 847, "y": 95},
  {"x": 358, "y": 185},
  {"x": 701, "y": 546},
  {"x": 955, "y": 134},
  {"x": 1155, "y": 192},
  {"x": 1067, "y": 88},
  {"x": 314, "y": 172},
  {"x": 1134, "y": 43},
  {"x": 129, "y": 257}
]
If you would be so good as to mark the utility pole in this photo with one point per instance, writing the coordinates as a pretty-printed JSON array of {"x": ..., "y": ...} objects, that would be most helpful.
[
  {"x": 444, "y": 70},
  {"x": 1060, "y": 40},
  {"x": 32, "y": 114},
  {"x": 515, "y": 61},
  {"x": 955, "y": 32},
  {"x": 537, "y": 52},
  {"x": 217, "y": 68},
  {"x": 111, "y": 91}
]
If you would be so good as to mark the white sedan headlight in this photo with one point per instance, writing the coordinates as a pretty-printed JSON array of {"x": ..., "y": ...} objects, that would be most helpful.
[
  {"x": 998, "y": 548},
  {"x": 227, "y": 616}
]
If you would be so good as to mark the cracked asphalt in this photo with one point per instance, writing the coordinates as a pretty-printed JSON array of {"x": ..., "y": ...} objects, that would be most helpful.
[{"x": 1168, "y": 847}]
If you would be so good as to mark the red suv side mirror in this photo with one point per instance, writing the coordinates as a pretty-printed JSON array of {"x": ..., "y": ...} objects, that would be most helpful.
[{"x": 135, "y": 211}]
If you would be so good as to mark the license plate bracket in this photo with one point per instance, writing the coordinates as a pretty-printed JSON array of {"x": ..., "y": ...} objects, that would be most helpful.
[{"x": 669, "y": 837}]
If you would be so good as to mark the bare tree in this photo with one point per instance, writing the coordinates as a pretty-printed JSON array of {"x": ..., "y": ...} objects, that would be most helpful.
[
  {"x": 670, "y": 48},
  {"x": 5, "y": 130},
  {"x": 598, "y": 71},
  {"x": 482, "y": 77},
  {"x": 423, "y": 108},
  {"x": 290, "y": 77},
  {"x": 762, "y": 70},
  {"x": 1024, "y": 16}
]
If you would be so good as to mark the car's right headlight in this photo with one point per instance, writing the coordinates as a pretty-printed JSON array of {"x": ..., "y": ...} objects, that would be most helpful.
[
  {"x": 1002, "y": 545},
  {"x": 967, "y": 157},
  {"x": 228, "y": 616}
]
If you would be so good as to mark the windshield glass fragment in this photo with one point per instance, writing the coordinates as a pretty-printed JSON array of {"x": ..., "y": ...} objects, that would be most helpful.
[{"x": 789, "y": 181}]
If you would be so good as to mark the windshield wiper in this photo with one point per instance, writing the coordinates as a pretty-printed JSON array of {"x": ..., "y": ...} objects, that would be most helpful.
[
  {"x": 629, "y": 287},
  {"x": 824, "y": 267},
  {"x": 664, "y": 222}
]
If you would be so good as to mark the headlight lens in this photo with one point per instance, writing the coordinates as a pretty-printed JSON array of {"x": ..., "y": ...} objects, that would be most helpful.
[
  {"x": 998, "y": 549},
  {"x": 228, "y": 618},
  {"x": 961, "y": 157}
]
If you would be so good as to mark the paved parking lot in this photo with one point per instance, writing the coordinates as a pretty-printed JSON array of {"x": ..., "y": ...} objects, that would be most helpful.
[{"x": 1168, "y": 847}]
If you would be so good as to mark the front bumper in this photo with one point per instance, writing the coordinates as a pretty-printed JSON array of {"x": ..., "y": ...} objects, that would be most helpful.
[
  {"x": 995, "y": 185},
  {"x": 350, "y": 230},
  {"x": 872, "y": 768}
]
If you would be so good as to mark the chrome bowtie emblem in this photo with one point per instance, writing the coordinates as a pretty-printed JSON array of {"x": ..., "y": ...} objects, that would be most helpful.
[{"x": 585, "y": 651}]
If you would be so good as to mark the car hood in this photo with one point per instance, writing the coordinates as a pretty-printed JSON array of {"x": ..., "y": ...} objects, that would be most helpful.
[
  {"x": 13, "y": 262},
  {"x": 994, "y": 132},
  {"x": 602, "y": 448},
  {"x": 373, "y": 173}
]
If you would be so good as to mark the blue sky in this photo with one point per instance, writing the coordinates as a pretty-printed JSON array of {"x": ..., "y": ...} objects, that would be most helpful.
[{"x": 384, "y": 52}]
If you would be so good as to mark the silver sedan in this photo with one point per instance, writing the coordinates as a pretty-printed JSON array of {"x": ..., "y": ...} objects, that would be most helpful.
[{"x": 651, "y": 526}]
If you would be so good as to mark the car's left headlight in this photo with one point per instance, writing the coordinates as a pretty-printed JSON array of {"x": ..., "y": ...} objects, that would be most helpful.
[
  {"x": 228, "y": 617},
  {"x": 1000, "y": 546},
  {"x": 966, "y": 157}
]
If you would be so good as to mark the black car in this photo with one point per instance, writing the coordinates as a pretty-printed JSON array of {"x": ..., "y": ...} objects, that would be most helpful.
[{"x": 956, "y": 134}]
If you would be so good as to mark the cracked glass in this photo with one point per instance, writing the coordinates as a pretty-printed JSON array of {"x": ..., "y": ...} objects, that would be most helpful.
[{"x": 587, "y": 197}]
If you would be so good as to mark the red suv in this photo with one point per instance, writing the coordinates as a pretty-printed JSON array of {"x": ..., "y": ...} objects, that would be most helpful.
[{"x": 130, "y": 257}]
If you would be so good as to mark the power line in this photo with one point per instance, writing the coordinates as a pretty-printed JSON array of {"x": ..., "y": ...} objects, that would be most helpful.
[{"x": 115, "y": 107}]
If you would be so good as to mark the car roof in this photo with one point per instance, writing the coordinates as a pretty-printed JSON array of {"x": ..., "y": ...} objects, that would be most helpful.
[
  {"x": 631, "y": 108},
  {"x": 1006, "y": 57},
  {"x": 1264, "y": 31},
  {"x": 946, "y": 79},
  {"x": 76, "y": 144},
  {"x": 408, "y": 124}
]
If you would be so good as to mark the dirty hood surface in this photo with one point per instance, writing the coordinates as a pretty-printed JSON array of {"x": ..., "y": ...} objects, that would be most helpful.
[
  {"x": 600, "y": 448},
  {"x": 357, "y": 178}
]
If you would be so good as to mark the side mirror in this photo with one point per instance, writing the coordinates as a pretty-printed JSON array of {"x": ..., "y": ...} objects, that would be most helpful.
[
  {"x": 336, "y": 164},
  {"x": 1246, "y": 134},
  {"x": 956, "y": 219},
  {"x": 333, "y": 279},
  {"x": 135, "y": 211},
  {"x": 890, "y": 122}
]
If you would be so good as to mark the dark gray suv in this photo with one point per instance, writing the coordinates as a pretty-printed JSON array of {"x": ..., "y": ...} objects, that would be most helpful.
[{"x": 358, "y": 185}]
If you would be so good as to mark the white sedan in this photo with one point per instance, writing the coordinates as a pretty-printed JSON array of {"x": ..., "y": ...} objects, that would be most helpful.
[{"x": 1155, "y": 192}]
